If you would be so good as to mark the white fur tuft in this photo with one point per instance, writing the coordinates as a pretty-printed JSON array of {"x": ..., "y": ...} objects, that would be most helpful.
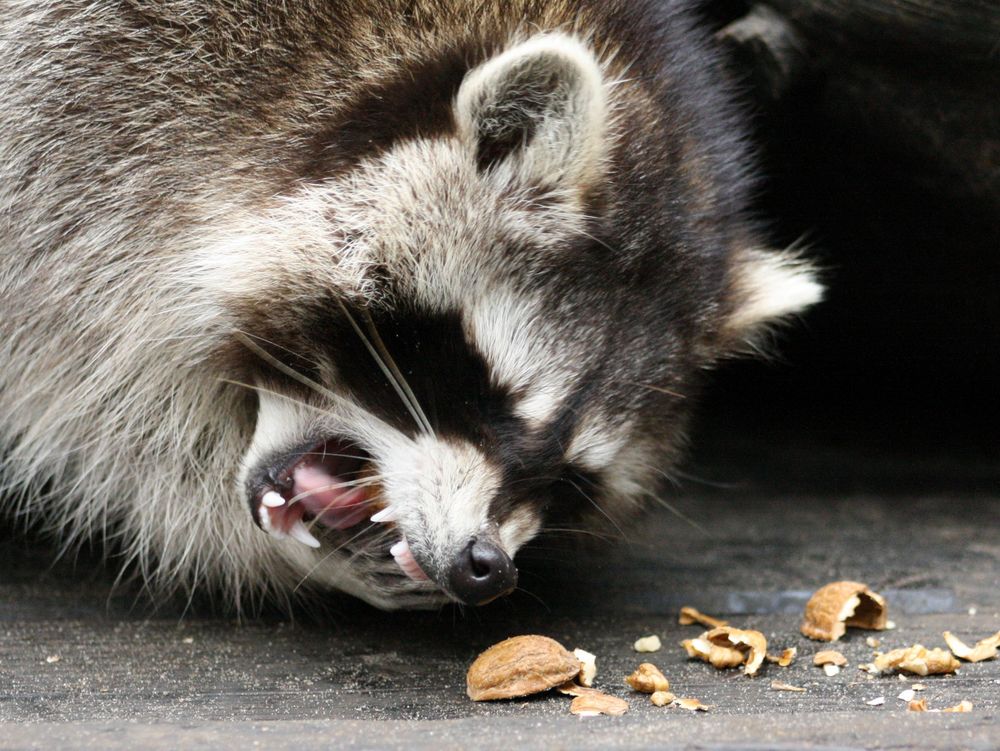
[{"x": 770, "y": 286}]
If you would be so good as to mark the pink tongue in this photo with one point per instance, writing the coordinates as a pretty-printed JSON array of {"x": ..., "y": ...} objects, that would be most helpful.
[{"x": 328, "y": 500}]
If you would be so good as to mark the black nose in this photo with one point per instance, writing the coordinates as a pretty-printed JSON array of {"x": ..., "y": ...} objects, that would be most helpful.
[{"x": 481, "y": 572}]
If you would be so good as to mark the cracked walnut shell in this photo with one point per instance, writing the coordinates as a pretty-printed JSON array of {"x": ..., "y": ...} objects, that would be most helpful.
[
  {"x": 520, "y": 666},
  {"x": 837, "y": 605}
]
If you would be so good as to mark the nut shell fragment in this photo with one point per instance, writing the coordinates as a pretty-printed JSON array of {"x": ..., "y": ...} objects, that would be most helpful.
[
  {"x": 785, "y": 658},
  {"x": 689, "y": 616},
  {"x": 595, "y": 702},
  {"x": 693, "y": 705},
  {"x": 985, "y": 649},
  {"x": 647, "y": 679},
  {"x": 917, "y": 659},
  {"x": 520, "y": 666},
  {"x": 718, "y": 657},
  {"x": 751, "y": 642},
  {"x": 837, "y": 605},
  {"x": 662, "y": 698},
  {"x": 588, "y": 666},
  {"x": 917, "y": 705},
  {"x": 782, "y": 686},
  {"x": 829, "y": 657}
]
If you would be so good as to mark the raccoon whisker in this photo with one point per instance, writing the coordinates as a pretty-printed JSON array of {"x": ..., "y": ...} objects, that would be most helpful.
[
  {"x": 275, "y": 363},
  {"x": 597, "y": 506},
  {"x": 659, "y": 501},
  {"x": 578, "y": 531},
  {"x": 326, "y": 454},
  {"x": 705, "y": 481},
  {"x": 299, "y": 403},
  {"x": 535, "y": 597},
  {"x": 659, "y": 389},
  {"x": 404, "y": 394},
  {"x": 329, "y": 555},
  {"x": 363, "y": 483},
  {"x": 377, "y": 338}
]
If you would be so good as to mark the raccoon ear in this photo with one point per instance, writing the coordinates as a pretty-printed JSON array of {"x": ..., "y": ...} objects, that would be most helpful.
[
  {"x": 539, "y": 107},
  {"x": 766, "y": 287}
]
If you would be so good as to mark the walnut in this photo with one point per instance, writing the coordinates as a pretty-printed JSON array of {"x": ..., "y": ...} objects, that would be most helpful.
[
  {"x": 838, "y": 605},
  {"x": 520, "y": 666},
  {"x": 727, "y": 647},
  {"x": 647, "y": 679},
  {"x": 916, "y": 659}
]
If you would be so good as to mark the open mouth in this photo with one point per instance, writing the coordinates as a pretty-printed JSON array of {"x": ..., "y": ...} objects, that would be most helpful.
[{"x": 332, "y": 489}]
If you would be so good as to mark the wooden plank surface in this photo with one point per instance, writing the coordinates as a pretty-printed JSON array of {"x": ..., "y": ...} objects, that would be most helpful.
[{"x": 82, "y": 666}]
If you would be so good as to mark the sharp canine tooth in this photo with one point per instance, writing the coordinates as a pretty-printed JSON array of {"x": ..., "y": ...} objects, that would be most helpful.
[
  {"x": 388, "y": 514},
  {"x": 400, "y": 548},
  {"x": 272, "y": 499},
  {"x": 265, "y": 523},
  {"x": 303, "y": 535}
]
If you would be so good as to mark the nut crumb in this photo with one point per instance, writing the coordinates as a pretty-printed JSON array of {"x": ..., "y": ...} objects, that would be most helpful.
[
  {"x": 872, "y": 642},
  {"x": 907, "y": 695},
  {"x": 52, "y": 659},
  {"x": 963, "y": 706},
  {"x": 876, "y": 702},
  {"x": 785, "y": 658},
  {"x": 661, "y": 698},
  {"x": 648, "y": 644},
  {"x": 831, "y": 670},
  {"x": 917, "y": 705}
]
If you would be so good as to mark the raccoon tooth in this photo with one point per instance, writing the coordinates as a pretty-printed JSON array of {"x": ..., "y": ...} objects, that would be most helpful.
[
  {"x": 388, "y": 514},
  {"x": 303, "y": 535},
  {"x": 265, "y": 523},
  {"x": 399, "y": 549},
  {"x": 272, "y": 499}
]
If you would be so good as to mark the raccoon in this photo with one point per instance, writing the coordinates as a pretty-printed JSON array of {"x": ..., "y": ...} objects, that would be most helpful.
[{"x": 362, "y": 295}]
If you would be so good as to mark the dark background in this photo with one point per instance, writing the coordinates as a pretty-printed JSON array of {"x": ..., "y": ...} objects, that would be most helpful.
[{"x": 879, "y": 126}]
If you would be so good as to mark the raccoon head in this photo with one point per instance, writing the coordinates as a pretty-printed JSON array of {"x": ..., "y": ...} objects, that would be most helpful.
[{"x": 496, "y": 328}]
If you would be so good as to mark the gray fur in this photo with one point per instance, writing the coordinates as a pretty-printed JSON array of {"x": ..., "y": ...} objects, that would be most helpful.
[{"x": 158, "y": 202}]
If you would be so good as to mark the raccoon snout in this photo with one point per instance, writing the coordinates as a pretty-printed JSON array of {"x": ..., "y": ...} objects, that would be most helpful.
[{"x": 481, "y": 572}]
